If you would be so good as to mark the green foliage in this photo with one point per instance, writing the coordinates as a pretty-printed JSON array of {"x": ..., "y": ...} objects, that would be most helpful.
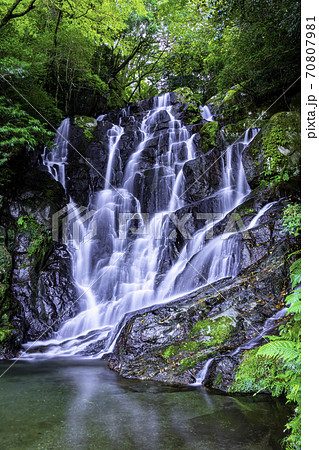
[
  {"x": 292, "y": 219},
  {"x": 208, "y": 133},
  {"x": 281, "y": 147},
  {"x": 17, "y": 131},
  {"x": 88, "y": 125},
  {"x": 39, "y": 236},
  {"x": 5, "y": 329},
  {"x": 258, "y": 374},
  {"x": 5, "y": 272},
  {"x": 170, "y": 351},
  {"x": 276, "y": 366},
  {"x": 220, "y": 44},
  {"x": 63, "y": 54}
]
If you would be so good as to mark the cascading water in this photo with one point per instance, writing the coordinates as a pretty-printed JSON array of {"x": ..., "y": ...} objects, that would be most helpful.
[
  {"x": 206, "y": 113},
  {"x": 56, "y": 157},
  {"x": 116, "y": 272}
]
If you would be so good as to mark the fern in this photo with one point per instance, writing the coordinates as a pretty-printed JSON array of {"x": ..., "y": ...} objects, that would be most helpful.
[
  {"x": 295, "y": 273},
  {"x": 276, "y": 366},
  {"x": 295, "y": 308},
  {"x": 281, "y": 349}
]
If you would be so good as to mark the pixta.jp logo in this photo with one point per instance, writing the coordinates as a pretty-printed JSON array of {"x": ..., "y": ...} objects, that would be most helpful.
[{"x": 74, "y": 225}]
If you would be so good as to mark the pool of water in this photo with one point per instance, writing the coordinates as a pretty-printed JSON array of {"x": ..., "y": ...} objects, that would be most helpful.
[{"x": 83, "y": 405}]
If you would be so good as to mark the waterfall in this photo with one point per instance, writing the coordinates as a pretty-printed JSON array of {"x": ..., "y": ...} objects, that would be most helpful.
[
  {"x": 55, "y": 158},
  {"x": 116, "y": 266},
  {"x": 206, "y": 113}
]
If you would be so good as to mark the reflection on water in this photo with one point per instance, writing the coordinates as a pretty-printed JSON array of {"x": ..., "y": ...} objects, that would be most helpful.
[{"x": 83, "y": 405}]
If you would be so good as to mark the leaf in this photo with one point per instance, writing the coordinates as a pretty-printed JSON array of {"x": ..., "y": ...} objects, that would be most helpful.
[{"x": 280, "y": 349}]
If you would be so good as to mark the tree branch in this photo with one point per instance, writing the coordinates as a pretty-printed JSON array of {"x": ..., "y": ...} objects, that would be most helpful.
[{"x": 11, "y": 15}]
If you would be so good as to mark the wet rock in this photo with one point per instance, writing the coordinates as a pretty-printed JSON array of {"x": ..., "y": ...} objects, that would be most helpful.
[
  {"x": 166, "y": 343},
  {"x": 220, "y": 374},
  {"x": 41, "y": 290},
  {"x": 203, "y": 176}
]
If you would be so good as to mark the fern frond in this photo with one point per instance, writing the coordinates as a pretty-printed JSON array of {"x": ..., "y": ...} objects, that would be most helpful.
[
  {"x": 293, "y": 297},
  {"x": 280, "y": 349},
  {"x": 295, "y": 308}
]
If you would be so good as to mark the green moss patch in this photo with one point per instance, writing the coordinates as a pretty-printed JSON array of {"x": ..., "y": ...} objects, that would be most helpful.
[
  {"x": 39, "y": 237},
  {"x": 201, "y": 342},
  {"x": 208, "y": 134},
  {"x": 219, "y": 330},
  {"x": 5, "y": 270},
  {"x": 88, "y": 125},
  {"x": 185, "y": 95},
  {"x": 281, "y": 146},
  {"x": 170, "y": 351}
]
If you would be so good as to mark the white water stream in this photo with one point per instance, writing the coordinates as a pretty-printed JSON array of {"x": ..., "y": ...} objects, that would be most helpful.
[{"x": 116, "y": 275}]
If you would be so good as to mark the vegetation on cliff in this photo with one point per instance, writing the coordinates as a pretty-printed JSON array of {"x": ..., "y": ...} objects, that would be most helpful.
[
  {"x": 61, "y": 58},
  {"x": 275, "y": 367}
]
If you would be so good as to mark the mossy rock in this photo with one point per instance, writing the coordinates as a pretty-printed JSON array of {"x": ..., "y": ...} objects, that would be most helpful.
[
  {"x": 218, "y": 329},
  {"x": 281, "y": 142},
  {"x": 88, "y": 125},
  {"x": 5, "y": 263},
  {"x": 209, "y": 133},
  {"x": 185, "y": 95},
  {"x": 201, "y": 343},
  {"x": 236, "y": 131},
  {"x": 234, "y": 106},
  {"x": 5, "y": 273}
]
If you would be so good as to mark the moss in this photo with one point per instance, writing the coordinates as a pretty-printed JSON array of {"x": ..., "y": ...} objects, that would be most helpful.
[
  {"x": 185, "y": 95},
  {"x": 170, "y": 351},
  {"x": 208, "y": 134},
  {"x": 231, "y": 93},
  {"x": 5, "y": 274},
  {"x": 281, "y": 142},
  {"x": 188, "y": 363},
  {"x": 6, "y": 329},
  {"x": 218, "y": 380},
  {"x": 191, "y": 361},
  {"x": 38, "y": 234},
  {"x": 235, "y": 105},
  {"x": 88, "y": 125},
  {"x": 190, "y": 346},
  {"x": 218, "y": 329},
  {"x": 235, "y": 131},
  {"x": 198, "y": 345}
]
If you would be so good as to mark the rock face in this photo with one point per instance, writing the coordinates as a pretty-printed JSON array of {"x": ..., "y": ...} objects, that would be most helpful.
[
  {"x": 172, "y": 343},
  {"x": 39, "y": 293},
  {"x": 212, "y": 326}
]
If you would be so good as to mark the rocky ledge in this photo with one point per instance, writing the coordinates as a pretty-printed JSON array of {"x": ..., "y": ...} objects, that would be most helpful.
[{"x": 172, "y": 343}]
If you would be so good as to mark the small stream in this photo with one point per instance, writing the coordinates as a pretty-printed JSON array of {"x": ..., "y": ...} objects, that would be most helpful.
[{"x": 81, "y": 404}]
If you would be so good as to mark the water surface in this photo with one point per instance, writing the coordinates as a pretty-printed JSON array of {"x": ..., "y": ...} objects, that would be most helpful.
[{"x": 83, "y": 405}]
